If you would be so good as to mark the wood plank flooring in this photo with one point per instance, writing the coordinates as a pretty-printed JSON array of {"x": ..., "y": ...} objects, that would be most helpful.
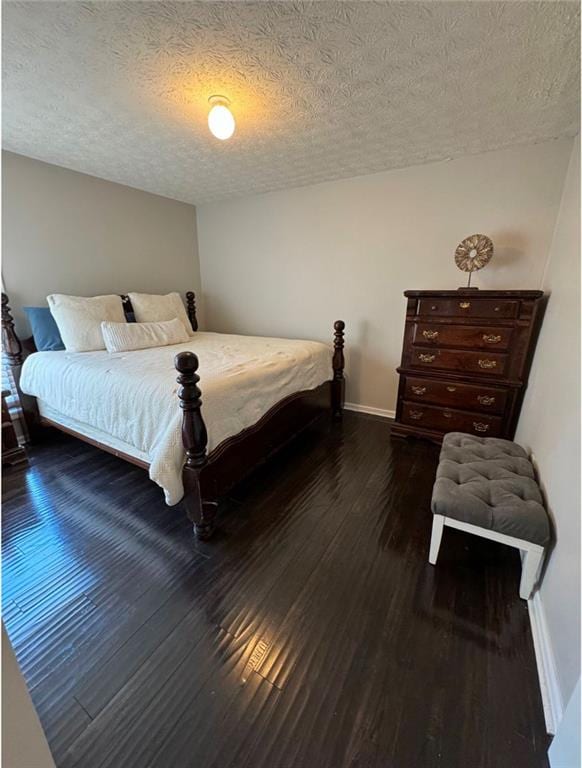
[{"x": 310, "y": 631}]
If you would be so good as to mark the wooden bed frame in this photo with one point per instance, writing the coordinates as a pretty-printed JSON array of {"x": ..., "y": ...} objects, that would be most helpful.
[{"x": 206, "y": 477}]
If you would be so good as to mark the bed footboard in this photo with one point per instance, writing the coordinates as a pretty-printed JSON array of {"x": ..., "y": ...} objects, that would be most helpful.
[{"x": 200, "y": 512}]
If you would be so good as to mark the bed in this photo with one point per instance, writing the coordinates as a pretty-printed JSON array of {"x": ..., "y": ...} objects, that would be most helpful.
[{"x": 258, "y": 394}]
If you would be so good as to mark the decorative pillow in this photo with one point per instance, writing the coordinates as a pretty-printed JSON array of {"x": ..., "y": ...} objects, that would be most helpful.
[
  {"x": 123, "y": 337},
  {"x": 79, "y": 319},
  {"x": 151, "y": 308},
  {"x": 44, "y": 329}
]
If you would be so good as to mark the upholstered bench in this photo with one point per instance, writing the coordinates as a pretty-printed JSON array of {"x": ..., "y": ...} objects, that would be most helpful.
[{"x": 487, "y": 487}]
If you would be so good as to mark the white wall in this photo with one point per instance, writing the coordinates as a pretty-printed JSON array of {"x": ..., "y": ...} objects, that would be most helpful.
[
  {"x": 564, "y": 750},
  {"x": 549, "y": 426},
  {"x": 24, "y": 744},
  {"x": 66, "y": 232},
  {"x": 290, "y": 263}
]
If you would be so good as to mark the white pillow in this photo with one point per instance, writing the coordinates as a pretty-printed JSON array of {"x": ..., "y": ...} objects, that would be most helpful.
[
  {"x": 79, "y": 319},
  {"x": 151, "y": 308},
  {"x": 123, "y": 337}
]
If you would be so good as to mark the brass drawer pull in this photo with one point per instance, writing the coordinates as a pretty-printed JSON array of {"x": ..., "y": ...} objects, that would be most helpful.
[
  {"x": 415, "y": 415},
  {"x": 491, "y": 338},
  {"x": 487, "y": 363},
  {"x": 418, "y": 390},
  {"x": 447, "y": 414},
  {"x": 426, "y": 358},
  {"x": 485, "y": 399},
  {"x": 478, "y": 426},
  {"x": 464, "y": 304},
  {"x": 430, "y": 335},
  {"x": 451, "y": 389}
]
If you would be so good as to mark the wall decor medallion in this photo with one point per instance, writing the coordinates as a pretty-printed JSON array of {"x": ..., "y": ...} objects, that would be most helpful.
[{"x": 474, "y": 253}]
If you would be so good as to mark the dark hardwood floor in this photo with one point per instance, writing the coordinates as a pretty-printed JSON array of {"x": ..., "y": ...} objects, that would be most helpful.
[{"x": 310, "y": 631}]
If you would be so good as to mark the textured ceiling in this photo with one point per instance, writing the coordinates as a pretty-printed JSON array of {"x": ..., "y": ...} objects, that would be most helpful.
[{"x": 320, "y": 90}]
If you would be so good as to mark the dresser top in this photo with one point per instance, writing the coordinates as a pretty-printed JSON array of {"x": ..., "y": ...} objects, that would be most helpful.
[{"x": 476, "y": 294}]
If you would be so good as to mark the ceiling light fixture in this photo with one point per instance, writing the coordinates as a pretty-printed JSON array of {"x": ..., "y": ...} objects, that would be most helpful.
[{"x": 220, "y": 118}]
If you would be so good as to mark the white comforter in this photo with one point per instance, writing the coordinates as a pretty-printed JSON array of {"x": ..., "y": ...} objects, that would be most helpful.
[{"x": 132, "y": 395}]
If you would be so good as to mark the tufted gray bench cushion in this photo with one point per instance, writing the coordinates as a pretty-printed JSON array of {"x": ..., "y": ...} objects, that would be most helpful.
[{"x": 490, "y": 483}]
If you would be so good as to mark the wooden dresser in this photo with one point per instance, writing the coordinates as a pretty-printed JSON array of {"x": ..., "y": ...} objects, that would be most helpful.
[{"x": 465, "y": 361}]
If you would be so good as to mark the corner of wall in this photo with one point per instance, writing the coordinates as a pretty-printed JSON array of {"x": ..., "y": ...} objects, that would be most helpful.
[{"x": 546, "y": 428}]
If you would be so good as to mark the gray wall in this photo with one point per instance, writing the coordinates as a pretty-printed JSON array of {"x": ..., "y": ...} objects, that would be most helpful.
[
  {"x": 66, "y": 232},
  {"x": 550, "y": 428}
]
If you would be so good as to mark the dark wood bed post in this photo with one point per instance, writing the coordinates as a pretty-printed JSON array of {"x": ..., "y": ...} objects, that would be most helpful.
[
  {"x": 195, "y": 439},
  {"x": 338, "y": 385},
  {"x": 12, "y": 347},
  {"x": 191, "y": 309},
  {"x": 11, "y": 344}
]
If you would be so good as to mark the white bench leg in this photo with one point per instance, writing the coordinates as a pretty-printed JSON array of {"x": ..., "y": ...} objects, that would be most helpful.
[
  {"x": 530, "y": 571},
  {"x": 438, "y": 522}
]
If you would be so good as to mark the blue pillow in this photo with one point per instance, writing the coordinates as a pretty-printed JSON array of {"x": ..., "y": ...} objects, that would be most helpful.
[{"x": 44, "y": 329}]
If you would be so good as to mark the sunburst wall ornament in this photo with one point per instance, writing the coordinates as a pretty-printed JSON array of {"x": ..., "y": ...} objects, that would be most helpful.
[{"x": 474, "y": 253}]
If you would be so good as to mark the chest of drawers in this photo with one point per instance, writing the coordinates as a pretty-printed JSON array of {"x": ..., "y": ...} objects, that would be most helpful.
[{"x": 466, "y": 357}]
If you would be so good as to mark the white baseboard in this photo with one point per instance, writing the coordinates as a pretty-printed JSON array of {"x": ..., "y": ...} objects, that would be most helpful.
[
  {"x": 383, "y": 412},
  {"x": 546, "y": 664}
]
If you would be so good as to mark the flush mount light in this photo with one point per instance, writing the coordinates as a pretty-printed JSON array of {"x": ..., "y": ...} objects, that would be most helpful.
[{"x": 220, "y": 118}]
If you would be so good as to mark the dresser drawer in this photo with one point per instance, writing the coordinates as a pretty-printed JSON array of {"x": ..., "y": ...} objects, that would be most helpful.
[
  {"x": 470, "y": 397},
  {"x": 475, "y": 336},
  {"x": 484, "y": 363},
  {"x": 467, "y": 306},
  {"x": 445, "y": 420},
  {"x": 465, "y": 360}
]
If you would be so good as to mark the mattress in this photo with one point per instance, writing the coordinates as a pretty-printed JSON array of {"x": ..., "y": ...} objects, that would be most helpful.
[
  {"x": 129, "y": 400},
  {"x": 92, "y": 433}
]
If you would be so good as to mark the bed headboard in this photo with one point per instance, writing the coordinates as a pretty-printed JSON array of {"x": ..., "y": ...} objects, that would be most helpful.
[
  {"x": 190, "y": 309},
  {"x": 16, "y": 349}
]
